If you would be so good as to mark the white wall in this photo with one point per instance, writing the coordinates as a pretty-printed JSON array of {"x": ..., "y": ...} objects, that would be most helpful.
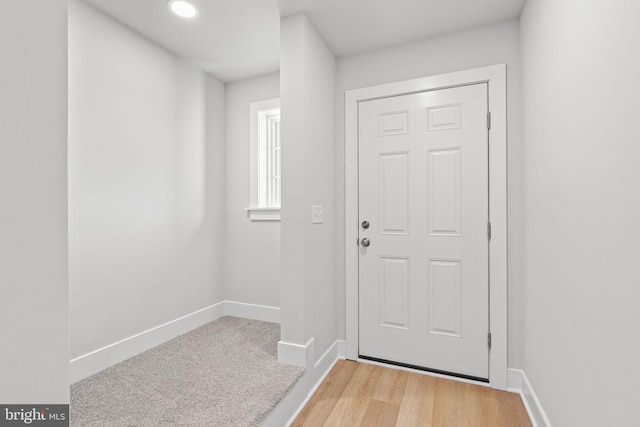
[
  {"x": 145, "y": 183},
  {"x": 489, "y": 45},
  {"x": 582, "y": 174},
  {"x": 308, "y": 154},
  {"x": 252, "y": 249},
  {"x": 34, "y": 345}
]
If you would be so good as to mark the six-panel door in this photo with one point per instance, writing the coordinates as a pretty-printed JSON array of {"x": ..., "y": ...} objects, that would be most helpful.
[{"x": 423, "y": 188}]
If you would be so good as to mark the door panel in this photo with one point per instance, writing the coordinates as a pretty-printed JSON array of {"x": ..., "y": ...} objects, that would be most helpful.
[
  {"x": 394, "y": 193},
  {"x": 444, "y": 192},
  {"x": 423, "y": 188},
  {"x": 445, "y": 297},
  {"x": 394, "y": 287}
]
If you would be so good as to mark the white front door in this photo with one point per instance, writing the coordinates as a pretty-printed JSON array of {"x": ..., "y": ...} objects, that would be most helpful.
[{"x": 423, "y": 212}]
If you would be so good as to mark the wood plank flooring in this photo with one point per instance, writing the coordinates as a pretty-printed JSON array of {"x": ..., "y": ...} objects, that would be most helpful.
[{"x": 359, "y": 394}]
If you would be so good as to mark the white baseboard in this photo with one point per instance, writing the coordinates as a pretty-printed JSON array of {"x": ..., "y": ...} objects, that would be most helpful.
[
  {"x": 519, "y": 383},
  {"x": 285, "y": 413},
  {"x": 102, "y": 358},
  {"x": 296, "y": 354},
  {"x": 342, "y": 349},
  {"x": 514, "y": 380},
  {"x": 252, "y": 311},
  {"x": 324, "y": 364}
]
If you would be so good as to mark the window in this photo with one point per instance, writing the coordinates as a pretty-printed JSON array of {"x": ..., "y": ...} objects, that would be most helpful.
[
  {"x": 265, "y": 160},
  {"x": 269, "y": 158}
]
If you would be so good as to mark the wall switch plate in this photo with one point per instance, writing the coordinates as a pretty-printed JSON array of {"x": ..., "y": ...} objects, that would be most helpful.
[{"x": 316, "y": 214}]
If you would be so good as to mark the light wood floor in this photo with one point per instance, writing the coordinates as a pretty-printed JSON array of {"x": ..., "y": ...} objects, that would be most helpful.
[{"x": 358, "y": 394}]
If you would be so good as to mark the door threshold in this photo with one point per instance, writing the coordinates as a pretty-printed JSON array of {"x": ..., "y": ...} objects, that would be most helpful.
[{"x": 439, "y": 372}]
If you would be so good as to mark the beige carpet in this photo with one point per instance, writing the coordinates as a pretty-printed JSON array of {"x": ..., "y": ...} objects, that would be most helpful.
[{"x": 224, "y": 374}]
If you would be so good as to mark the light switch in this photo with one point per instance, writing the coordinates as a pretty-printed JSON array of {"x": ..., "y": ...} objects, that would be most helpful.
[{"x": 316, "y": 214}]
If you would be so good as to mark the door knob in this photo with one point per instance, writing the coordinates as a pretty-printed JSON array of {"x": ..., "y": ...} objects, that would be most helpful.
[{"x": 365, "y": 242}]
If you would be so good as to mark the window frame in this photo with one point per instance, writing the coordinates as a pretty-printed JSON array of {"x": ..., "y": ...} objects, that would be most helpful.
[{"x": 259, "y": 113}]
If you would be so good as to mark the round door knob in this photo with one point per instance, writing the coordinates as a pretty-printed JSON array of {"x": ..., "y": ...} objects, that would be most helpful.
[{"x": 365, "y": 242}]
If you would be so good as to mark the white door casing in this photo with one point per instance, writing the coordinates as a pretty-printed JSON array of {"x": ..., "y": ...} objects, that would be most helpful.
[
  {"x": 495, "y": 79},
  {"x": 423, "y": 190}
]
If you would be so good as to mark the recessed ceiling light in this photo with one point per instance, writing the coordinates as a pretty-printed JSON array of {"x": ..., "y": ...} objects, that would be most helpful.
[{"x": 183, "y": 8}]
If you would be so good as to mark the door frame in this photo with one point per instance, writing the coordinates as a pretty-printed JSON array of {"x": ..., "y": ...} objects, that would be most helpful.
[{"x": 495, "y": 77}]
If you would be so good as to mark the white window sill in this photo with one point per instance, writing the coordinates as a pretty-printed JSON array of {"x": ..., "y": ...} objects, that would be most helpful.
[{"x": 263, "y": 214}]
